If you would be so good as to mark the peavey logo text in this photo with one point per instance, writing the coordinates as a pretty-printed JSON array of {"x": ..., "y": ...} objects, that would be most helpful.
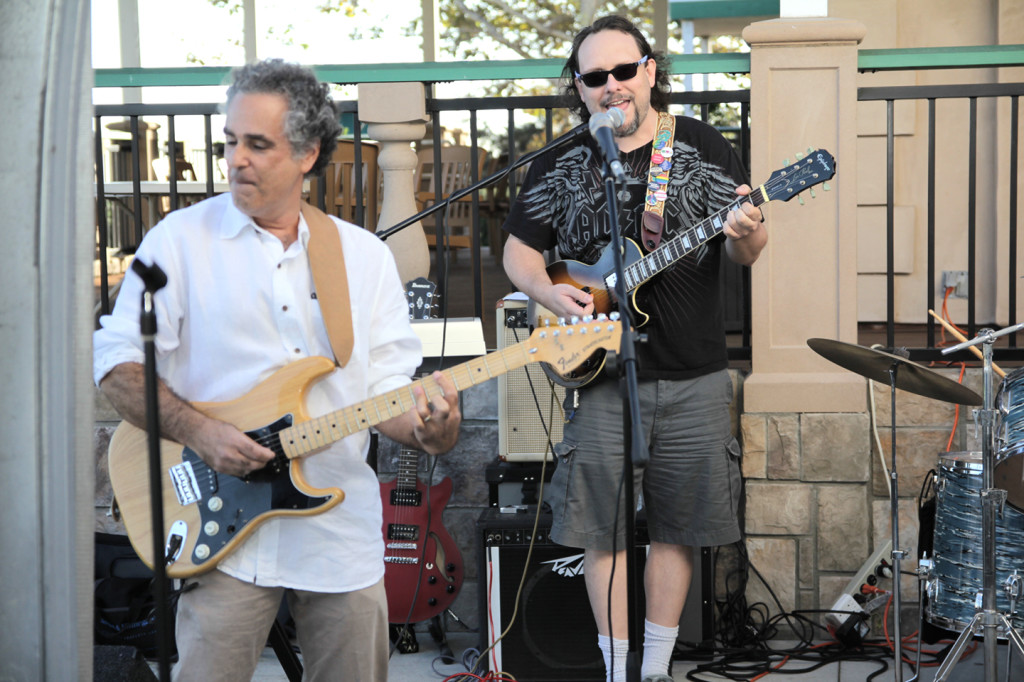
[{"x": 567, "y": 567}]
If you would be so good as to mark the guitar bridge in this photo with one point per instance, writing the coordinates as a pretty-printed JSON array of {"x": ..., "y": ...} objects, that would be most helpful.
[{"x": 183, "y": 480}]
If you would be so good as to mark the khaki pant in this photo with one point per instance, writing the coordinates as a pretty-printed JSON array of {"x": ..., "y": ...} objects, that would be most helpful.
[{"x": 223, "y": 624}]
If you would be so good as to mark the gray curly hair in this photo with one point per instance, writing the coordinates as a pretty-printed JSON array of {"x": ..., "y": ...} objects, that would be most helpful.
[{"x": 312, "y": 116}]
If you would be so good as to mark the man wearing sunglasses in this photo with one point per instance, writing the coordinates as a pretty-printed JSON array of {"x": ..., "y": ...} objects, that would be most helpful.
[{"x": 684, "y": 171}]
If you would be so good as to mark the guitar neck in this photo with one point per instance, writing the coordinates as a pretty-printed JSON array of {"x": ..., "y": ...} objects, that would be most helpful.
[
  {"x": 309, "y": 436},
  {"x": 643, "y": 269}
]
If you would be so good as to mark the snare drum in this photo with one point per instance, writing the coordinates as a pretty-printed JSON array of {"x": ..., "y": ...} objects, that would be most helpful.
[{"x": 955, "y": 588}]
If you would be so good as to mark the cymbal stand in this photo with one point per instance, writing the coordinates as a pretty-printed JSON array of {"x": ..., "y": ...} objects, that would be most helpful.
[
  {"x": 897, "y": 553},
  {"x": 987, "y": 619}
]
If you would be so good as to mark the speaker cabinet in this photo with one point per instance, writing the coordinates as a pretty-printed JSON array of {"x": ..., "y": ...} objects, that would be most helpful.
[
  {"x": 522, "y": 428},
  {"x": 554, "y": 636}
]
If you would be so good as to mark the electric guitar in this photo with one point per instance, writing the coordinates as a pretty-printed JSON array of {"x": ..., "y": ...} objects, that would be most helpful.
[
  {"x": 413, "y": 537},
  {"x": 423, "y": 297},
  {"x": 599, "y": 279},
  {"x": 208, "y": 514}
]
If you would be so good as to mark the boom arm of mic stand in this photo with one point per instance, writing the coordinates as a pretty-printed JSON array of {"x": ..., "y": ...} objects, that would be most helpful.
[{"x": 576, "y": 132}]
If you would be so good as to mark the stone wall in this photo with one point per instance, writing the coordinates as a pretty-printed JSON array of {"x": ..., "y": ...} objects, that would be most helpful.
[{"x": 817, "y": 503}]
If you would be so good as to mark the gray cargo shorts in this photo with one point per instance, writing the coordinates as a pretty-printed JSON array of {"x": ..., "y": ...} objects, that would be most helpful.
[{"x": 691, "y": 486}]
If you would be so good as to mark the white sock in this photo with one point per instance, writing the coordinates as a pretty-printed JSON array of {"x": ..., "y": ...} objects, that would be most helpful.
[
  {"x": 659, "y": 641},
  {"x": 614, "y": 665}
]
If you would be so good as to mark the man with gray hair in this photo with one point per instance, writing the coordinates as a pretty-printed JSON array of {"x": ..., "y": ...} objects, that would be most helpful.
[{"x": 240, "y": 303}]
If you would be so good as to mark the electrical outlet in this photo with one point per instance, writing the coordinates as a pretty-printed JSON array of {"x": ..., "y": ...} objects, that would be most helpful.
[{"x": 955, "y": 280}]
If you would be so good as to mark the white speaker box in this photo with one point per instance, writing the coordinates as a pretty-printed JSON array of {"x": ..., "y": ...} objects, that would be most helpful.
[{"x": 523, "y": 429}]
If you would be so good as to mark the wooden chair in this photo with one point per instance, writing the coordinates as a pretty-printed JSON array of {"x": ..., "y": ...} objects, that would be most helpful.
[
  {"x": 340, "y": 197},
  {"x": 454, "y": 173}
]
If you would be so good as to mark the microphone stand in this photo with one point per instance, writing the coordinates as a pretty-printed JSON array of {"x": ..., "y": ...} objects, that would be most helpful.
[
  {"x": 154, "y": 279},
  {"x": 570, "y": 136},
  {"x": 632, "y": 425}
]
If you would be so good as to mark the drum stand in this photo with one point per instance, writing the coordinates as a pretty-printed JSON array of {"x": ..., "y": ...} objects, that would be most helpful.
[
  {"x": 894, "y": 504},
  {"x": 987, "y": 619},
  {"x": 899, "y": 372}
]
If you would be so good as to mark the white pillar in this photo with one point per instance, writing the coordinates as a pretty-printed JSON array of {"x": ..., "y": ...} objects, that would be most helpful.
[{"x": 396, "y": 115}]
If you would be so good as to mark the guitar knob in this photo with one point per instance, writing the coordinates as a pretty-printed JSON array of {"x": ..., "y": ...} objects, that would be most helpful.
[
  {"x": 432, "y": 579},
  {"x": 432, "y": 601},
  {"x": 450, "y": 567},
  {"x": 215, "y": 504},
  {"x": 450, "y": 589},
  {"x": 202, "y": 552}
]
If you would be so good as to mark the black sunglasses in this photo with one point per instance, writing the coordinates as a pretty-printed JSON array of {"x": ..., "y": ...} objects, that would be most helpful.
[{"x": 622, "y": 72}]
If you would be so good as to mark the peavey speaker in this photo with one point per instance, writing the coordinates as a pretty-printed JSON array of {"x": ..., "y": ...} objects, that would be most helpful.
[
  {"x": 523, "y": 429},
  {"x": 553, "y": 637}
]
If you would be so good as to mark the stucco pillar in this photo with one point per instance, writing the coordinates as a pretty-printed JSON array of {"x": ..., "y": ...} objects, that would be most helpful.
[
  {"x": 396, "y": 116},
  {"x": 804, "y": 95}
]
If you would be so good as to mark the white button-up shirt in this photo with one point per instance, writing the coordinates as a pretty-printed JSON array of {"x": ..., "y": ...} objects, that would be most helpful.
[{"x": 238, "y": 306}]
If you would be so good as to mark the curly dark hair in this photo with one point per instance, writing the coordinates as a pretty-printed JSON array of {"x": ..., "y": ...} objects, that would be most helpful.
[
  {"x": 312, "y": 115},
  {"x": 613, "y": 22}
]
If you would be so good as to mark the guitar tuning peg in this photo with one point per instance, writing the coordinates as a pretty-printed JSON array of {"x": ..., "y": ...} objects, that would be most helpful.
[
  {"x": 799, "y": 155},
  {"x": 810, "y": 149},
  {"x": 812, "y": 193},
  {"x": 785, "y": 162},
  {"x": 800, "y": 198},
  {"x": 825, "y": 186}
]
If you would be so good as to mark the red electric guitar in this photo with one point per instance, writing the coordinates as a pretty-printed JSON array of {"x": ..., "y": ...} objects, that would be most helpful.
[{"x": 415, "y": 539}]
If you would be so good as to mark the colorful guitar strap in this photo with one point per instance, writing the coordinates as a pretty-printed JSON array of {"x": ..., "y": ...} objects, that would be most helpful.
[{"x": 657, "y": 181}]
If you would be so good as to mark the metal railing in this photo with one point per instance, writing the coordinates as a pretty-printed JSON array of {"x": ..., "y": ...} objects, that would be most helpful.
[
  {"x": 971, "y": 94},
  {"x": 737, "y": 300},
  {"x": 126, "y": 231}
]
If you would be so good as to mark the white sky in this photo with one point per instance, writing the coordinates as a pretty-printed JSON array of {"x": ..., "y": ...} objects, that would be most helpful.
[{"x": 168, "y": 32}]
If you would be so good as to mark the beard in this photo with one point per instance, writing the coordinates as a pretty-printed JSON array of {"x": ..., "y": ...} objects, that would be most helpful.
[{"x": 640, "y": 111}]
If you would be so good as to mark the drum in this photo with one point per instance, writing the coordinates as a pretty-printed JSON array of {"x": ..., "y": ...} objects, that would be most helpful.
[
  {"x": 1009, "y": 471},
  {"x": 954, "y": 591}
]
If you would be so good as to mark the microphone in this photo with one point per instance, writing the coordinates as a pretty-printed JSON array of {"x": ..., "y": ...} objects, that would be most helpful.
[{"x": 602, "y": 127}]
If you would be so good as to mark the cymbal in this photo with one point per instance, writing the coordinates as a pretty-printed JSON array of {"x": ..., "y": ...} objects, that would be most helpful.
[{"x": 911, "y": 377}]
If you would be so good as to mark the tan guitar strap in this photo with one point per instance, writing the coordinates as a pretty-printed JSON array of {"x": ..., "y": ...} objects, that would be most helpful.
[{"x": 327, "y": 262}]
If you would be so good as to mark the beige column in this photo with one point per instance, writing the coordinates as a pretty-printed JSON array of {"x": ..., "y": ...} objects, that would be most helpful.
[
  {"x": 804, "y": 95},
  {"x": 396, "y": 117}
]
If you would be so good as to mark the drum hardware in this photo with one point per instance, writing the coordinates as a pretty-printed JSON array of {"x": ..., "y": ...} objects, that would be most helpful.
[
  {"x": 926, "y": 584},
  {"x": 899, "y": 372},
  {"x": 986, "y": 618},
  {"x": 1012, "y": 587}
]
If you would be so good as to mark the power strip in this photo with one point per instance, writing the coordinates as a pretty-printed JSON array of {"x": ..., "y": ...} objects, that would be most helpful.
[
  {"x": 847, "y": 618},
  {"x": 869, "y": 568}
]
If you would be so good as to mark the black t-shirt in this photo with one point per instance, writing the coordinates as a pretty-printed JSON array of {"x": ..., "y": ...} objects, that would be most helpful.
[{"x": 562, "y": 204}]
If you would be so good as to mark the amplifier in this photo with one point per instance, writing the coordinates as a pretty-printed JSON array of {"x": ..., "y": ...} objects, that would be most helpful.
[
  {"x": 554, "y": 637},
  {"x": 523, "y": 429}
]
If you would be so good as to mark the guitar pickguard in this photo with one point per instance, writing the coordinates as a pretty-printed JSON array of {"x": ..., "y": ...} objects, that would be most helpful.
[{"x": 227, "y": 504}]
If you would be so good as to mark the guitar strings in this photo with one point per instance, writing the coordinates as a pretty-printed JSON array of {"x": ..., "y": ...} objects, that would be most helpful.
[{"x": 603, "y": 298}]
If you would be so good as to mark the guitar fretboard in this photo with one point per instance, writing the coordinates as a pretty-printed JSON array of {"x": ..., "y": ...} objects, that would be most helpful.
[
  {"x": 320, "y": 432},
  {"x": 785, "y": 184},
  {"x": 650, "y": 265}
]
